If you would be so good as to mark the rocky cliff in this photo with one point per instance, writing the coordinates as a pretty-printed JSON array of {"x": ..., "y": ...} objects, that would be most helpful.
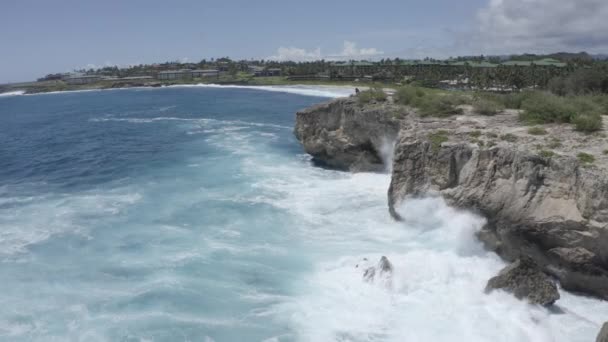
[
  {"x": 542, "y": 197},
  {"x": 344, "y": 135}
]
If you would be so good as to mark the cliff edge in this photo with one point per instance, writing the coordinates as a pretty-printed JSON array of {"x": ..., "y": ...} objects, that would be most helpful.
[{"x": 544, "y": 191}]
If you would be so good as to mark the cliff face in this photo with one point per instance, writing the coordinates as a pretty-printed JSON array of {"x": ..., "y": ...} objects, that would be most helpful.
[
  {"x": 344, "y": 135},
  {"x": 539, "y": 199}
]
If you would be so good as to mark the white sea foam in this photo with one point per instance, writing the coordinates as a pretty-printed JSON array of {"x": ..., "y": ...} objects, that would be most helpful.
[
  {"x": 12, "y": 93},
  {"x": 319, "y": 91}
]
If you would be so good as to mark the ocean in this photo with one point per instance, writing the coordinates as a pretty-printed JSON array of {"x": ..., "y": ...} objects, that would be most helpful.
[{"x": 192, "y": 214}]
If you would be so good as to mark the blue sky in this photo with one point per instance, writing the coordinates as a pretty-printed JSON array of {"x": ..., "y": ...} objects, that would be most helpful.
[{"x": 39, "y": 37}]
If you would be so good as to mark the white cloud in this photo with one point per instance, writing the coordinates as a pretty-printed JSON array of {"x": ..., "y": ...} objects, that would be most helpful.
[
  {"x": 296, "y": 54},
  {"x": 349, "y": 51},
  {"x": 543, "y": 26}
]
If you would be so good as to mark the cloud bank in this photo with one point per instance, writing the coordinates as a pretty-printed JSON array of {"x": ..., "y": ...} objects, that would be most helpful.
[
  {"x": 349, "y": 51},
  {"x": 543, "y": 26}
]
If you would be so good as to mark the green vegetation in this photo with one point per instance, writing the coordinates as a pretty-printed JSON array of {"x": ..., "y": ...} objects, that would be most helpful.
[
  {"x": 430, "y": 102},
  {"x": 487, "y": 107},
  {"x": 492, "y": 135},
  {"x": 440, "y": 105},
  {"x": 587, "y": 122},
  {"x": 373, "y": 94},
  {"x": 475, "y": 134},
  {"x": 546, "y": 153},
  {"x": 554, "y": 143},
  {"x": 605, "y": 152},
  {"x": 437, "y": 138},
  {"x": 409, "y": 95},
  {"x": 585, "y": 158},
  {"x": 508, "y": 137},
  {"x": 541, "y": 107},
  {"x": 537, "y": 130}
]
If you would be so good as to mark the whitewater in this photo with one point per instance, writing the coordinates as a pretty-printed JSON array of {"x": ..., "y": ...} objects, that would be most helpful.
[{"x": 191, "y": 213}]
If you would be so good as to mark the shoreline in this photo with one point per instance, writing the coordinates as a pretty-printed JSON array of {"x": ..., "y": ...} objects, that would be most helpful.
[
  {"x": 32, "y": 88},
  {"x": 306, "y": 89}
]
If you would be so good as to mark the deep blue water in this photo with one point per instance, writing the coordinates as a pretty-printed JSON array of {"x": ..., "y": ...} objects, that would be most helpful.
[{"x": 192, "y": 214}]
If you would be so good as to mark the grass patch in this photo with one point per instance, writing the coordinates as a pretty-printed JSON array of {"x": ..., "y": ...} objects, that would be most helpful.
[
  {"x": 409, "y": 95},
  {"x": 437, "y": 138},
  {"x": 540, "y": 108},
  {"x": 546, "y": 153},
  {"x": 537, "y": 130},
  {"x": 373, "y": 94},
  {"x": 508, "y": 137},
  {"x": 587, "y": 122},
  {"x": 486, "y": 107},
  {"x": 554, "y": 143},
  {"x": 440, "y": 105},
  {"x": 582, "y": 111},
  {"x": 475, "y": 134},
  {"x": 585, "y": 158}
]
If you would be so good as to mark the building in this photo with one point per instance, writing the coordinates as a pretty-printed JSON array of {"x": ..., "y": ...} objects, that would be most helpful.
[
  {"x": 268, "y": 72},
  {"x": 205, "y": 73},
  {"x": 82, "y": 79},
  {"x": 175, "y": 74}
]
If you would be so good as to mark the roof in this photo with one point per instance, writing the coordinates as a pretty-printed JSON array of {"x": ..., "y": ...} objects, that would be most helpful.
[{"x": 205, "y": 70}]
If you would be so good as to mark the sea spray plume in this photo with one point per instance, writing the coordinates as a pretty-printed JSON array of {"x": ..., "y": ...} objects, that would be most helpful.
[{"x": 386, "y": 151}]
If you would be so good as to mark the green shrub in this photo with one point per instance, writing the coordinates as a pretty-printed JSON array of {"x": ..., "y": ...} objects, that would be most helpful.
[
  {"x": 601, "y": 101},
  {"x": 542, "y": 108},
  {"x": 585, "y": 158},
  {"x": 555, "y": 143},
  {"x": 374, "y": 93},
  {"x": 546, "y": 154},
  {"x": 475, "y": 134},
  {"x": 408, "y": 95},
  {"x": 605, "y": 152},
  {"x": 508, "y": 137},
  {"x": 537, "y": 130},
  {"x": 492, "y": 135},
  {"x": 486, "y": 107},
  {"x": 439, "y": 105},
  {"x": 437, "y": 138},
  {"x": 587, "y": 122}
]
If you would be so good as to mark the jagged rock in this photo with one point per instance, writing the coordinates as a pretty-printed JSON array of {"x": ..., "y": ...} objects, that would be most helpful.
[
  {"x": 603, "y": 334},
  {"x": 526, "y": 280},
  {"x": 344, "y": 135},
  {"x": 383, "y": 270}
]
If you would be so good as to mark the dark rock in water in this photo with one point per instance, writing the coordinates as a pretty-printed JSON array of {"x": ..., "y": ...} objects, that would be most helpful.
[
  {"x": 603, "y": 335},
  {"x": 383, "y": 269},
  {"x": 525, "y": 279}
]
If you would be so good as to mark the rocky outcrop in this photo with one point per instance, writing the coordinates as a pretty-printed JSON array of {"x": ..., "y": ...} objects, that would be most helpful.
[
  {"x": 525, "y": 280},
  {"x": 539, "y": 199},
  {"x": 383, "y": 269},
  {"x": 603, "y": 335},
  {"x": 344, "y": 135}
]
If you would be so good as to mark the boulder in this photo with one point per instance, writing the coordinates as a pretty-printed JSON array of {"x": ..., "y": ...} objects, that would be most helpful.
[{"x": 525, "y": 280}]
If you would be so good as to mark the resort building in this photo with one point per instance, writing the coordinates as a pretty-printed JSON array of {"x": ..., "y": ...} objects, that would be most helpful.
[
  {"x": 82, "y": 79},
  {"x": 205, "y": 73},
  {"x": 175, "y": 74}
]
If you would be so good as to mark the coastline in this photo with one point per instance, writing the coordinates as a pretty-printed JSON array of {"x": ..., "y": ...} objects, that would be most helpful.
[
  {"x": 262, "y": 83},
  {"x": 306, "y": 89}
]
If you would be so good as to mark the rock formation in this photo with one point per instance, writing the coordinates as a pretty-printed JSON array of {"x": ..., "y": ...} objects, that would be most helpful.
[
  {"x": 540, "y": 200},
  {"x": 344, "y": 135},
  {"x": 382, "y": 272},
  {"x": 526, "y": 280},
  {"x": 603, "y": 335}
]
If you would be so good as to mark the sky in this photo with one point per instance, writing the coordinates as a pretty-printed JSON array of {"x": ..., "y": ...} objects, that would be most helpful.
[{"x": 38, "y": 37}]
